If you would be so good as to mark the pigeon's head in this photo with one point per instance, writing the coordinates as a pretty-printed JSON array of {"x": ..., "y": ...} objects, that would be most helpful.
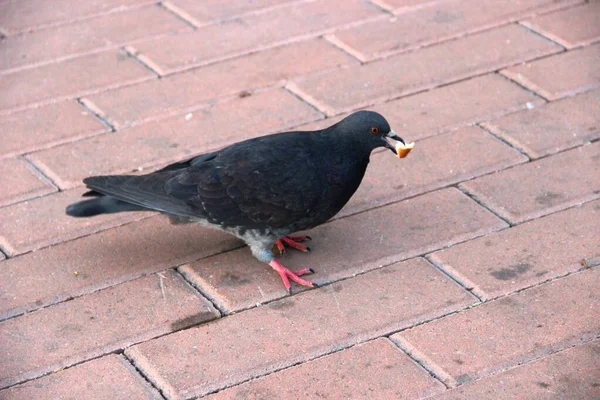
[{"x": 371, "y": 130}]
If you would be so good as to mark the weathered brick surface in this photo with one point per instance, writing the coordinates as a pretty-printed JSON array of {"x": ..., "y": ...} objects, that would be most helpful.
[
  {"x": 19, "y": 16},
  {"x": 233, "y": 349},
  {"x": 541, "y": 187},
  {"x": 402, "y": 6},
  {"x": 375, "y": 369},
  {"x": 190, "y": 90},
  {"x": 25, "y": 225},
  {"x": 561, "y": 75},
  {"x": 89, "y": 326},
  {"x": 510, "y": 260},
  {"x": 69, "y": 78},
  {"x": 436, "y": 162},
  {"x": 357, "y": 86},
  {"x": 241, "y": 35},
  {"x": 573, "y": 27},
  {"x": 174, "y": 138},
  {"x": 346, "y": 247},
  {"x": 46, "y": 126},
  {"x": 107, "y": 378},
  {"x": 203, "y": 11},
  {"x": 449, "y": 107},
  {"x": 507, "y": 332},
  {"x": 94, "y": 34},
  {"x": 90, "y": 263},
  {"x": 553, "y": 127},
  {"x": 20, "y": 181},
  {"x": 570, "y": 374},
  {"x": 441, "y": 21}
]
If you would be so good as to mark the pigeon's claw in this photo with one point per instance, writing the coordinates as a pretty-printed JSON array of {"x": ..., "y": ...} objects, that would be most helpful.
[
  {"x": 287, "y": 275},
  {"x": 293, "y": 242}
]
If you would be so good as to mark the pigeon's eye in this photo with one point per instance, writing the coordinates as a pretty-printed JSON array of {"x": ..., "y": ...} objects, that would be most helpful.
[{"x": 374, "y": 130}]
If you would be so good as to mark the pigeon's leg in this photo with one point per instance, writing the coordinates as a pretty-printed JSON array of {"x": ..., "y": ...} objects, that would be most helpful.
[
  {"x": 293, "y": 242},
  {"x": 287, "y": 275}
]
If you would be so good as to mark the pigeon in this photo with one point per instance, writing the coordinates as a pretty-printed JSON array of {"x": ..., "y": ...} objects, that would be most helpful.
[{"x": 261, "y": 190}]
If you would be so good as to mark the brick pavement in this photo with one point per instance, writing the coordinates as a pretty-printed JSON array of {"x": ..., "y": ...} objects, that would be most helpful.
[{"x": 467, "y": 270}]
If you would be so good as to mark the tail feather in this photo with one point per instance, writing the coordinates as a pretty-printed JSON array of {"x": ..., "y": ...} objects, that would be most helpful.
[{"x": 101, "y": 205}]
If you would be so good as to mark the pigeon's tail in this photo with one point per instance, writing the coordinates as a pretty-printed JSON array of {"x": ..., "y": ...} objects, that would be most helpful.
[{"x": 100, "y": 205}]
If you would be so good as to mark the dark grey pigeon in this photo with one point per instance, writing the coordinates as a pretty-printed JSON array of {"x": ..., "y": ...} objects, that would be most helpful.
[{"x": 260, "y": 190}]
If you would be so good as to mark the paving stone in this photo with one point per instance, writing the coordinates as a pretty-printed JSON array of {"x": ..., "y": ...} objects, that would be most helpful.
[
  {"x": 234, "y": 349},
  {"x": 20, "y": 181},
  {"x": 572, "y": 27},
  {"x": 21, "y": 16},
  {"x": 94, "y": 262},
  {"x": 346, "y": 247},
  {"x": 217, "y": 9},
  {"x": 94, "y": 34},
  {"x": 553, "y": 127},
  {"x": 510, "y": 331},
  {"x": 46, "y": 126},
  {"x": 504, "y": 262},
  {"x": 538, "y": 188},
  {"x": 569, "y": 374},
  {"x": 181, "y": 92},
  {"x": 375, "y": 369},
  {"x": 89, "y": 326},
  {"x": 250, "y": 33},
  {"x": 434, "y": 163},
  {"x": 70, "y": 78},
  {"x": 448, "y": 107},
  {"x": 440, "y": 21},
  {"x": 25, "y": 225},
  {"x": 107, "y": 378},
  {"x": 358, "y": 86},
  {"x": 401, "y": 6},
  {"x": 561, "y": 75},
  {"x": 173, "y": 139}
]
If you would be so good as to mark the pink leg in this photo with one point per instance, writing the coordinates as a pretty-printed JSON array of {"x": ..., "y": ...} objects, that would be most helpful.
[
  {"x": 286, "y": 275},
  {"x": 287, "y": 240}
]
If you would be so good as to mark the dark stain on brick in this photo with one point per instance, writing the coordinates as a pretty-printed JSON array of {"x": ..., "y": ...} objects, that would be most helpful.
[
  {"x": 548, "y": 199},
  {"x": 543, "y": 385},
  {"x": 230, "y": 279},
  {"x": 488, "y": 243},
  {"x": 244, "y": 93},
  {"x": 463, "y": 379},
  {"x": 444, "y": 17},
  {"x": 458, "y": 361},
  {"x": 541, "y": 273},
  {"x": 506, "y": 274},
  {"x": 186, "y": 322},
  {"x": 282, "y": 305},
  {"x": 401, "y": 186},
  {"x": 338, "y": 288}
]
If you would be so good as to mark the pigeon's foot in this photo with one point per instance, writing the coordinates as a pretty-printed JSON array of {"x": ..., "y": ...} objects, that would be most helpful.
[
  {"x": 287, "y": 274},
  {"x": 293, "y": 242}
]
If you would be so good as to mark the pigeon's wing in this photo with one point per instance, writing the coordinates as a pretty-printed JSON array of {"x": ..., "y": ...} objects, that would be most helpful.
[
  {"x": 267, "y": 184},
  {"x": 257, "y": 184}
]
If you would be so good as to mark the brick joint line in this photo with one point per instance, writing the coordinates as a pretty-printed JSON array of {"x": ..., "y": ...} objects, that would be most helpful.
[
  {"x": 488, "y": 131},
  {"x": 481, "y": 203},
  {"x": 144, "y": 61},
  {"x": 178, "y": 270},
  {"x": 97, "y": 112},
  {"x": 142, "y": 374},
  {"x": 181, "y": 14},
  {"x": 460, "y": 280}
]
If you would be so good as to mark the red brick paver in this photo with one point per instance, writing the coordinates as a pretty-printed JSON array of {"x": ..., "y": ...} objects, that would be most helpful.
[
  {"x": 562, "y": 75},
  {"x": 573, "y": 27},
  {"x": 20, "y": 181},
  {"x": 102, "y": 322},
  {"x": 541, "y": 187},
  {"x": 231, "y": 350},
  {"x": 368, "y": 370},
  {"x": 363, "y": 85},
  {"x": 467, "y": 270},
  {"x": 46, "y": 126},
  {"x": 539, "y": 250},
  {"x": 570, "y": 374},
  {"x": 107, "y": 378},
  {"x": 553, "y": 127},
  {"x": 507, "y": 332}
]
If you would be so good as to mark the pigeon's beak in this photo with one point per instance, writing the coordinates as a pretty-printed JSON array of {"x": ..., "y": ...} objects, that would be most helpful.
[{"x": 397, "y": 144}]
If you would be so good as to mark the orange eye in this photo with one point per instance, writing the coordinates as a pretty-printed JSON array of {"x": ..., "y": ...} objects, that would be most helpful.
[{"x": 374, "y": 130}]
